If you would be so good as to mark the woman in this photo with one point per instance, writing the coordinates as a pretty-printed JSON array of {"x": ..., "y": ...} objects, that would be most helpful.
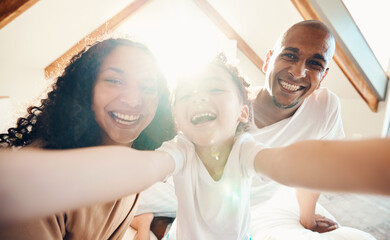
[{"x": 111, "y": 93}]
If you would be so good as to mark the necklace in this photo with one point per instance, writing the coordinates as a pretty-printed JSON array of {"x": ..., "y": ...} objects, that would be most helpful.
[{"x": 215, "y": 153}]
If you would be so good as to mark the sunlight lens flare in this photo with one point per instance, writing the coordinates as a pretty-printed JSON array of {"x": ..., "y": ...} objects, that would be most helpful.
[{"x": 181, "y": 38}]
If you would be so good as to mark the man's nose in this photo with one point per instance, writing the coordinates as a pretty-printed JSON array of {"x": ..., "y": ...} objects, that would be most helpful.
[{"x": 298, "y": 70}]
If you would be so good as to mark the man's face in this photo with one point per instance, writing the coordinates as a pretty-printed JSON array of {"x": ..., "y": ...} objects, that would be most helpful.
[{"x": 296, "y": 68}]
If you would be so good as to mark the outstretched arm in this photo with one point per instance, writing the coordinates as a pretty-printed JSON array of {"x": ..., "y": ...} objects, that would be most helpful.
[
  {"x": 36, "y": 182},
  {"x": 350, "y": 166}
]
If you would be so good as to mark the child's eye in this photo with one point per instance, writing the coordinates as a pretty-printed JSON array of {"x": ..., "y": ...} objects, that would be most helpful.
[
  {"x": 216, "y": 90},
  {"x": 183, "y": 98}
]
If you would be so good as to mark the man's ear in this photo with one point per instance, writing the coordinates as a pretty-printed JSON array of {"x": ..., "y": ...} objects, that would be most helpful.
[
  {"x": 244, "y": 116},
  {"x": 326, "y": 73},
  {"x": 267, "y": 60}
]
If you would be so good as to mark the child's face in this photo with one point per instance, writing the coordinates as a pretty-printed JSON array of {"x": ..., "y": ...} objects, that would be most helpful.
[{"x": 208, "y": 107}]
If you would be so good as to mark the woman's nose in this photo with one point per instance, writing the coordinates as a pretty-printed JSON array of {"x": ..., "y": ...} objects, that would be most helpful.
[{"x": 131, "y": 97}]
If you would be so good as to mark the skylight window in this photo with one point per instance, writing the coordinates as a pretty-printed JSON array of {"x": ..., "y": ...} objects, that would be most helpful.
[{"x": 373, "y": 20}]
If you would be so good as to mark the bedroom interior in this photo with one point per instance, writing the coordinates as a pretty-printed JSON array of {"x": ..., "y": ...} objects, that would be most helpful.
[{"x": 37, "y": 36}]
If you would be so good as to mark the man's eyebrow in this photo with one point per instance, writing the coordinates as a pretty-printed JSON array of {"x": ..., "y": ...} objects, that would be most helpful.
[
  {"x": 296, "y": 50},
  {"x": 319, "y": 56},
  {"x": 291, "y": 49}
]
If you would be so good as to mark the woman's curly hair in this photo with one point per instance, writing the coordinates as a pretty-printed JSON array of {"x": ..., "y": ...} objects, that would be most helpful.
[{"x": 65, "y": 118}]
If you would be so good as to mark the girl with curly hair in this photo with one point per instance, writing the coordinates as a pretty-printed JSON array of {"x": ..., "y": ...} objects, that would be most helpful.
[{"x": 111, "y": 93}]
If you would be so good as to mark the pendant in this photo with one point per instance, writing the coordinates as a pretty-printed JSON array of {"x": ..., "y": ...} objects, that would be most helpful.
[{"x": 214, "y": 153}]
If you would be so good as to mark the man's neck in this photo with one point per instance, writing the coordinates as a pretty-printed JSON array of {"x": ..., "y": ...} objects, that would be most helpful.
[{"x": 266, "y": 112}]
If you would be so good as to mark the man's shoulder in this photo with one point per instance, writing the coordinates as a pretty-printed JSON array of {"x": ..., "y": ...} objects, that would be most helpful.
[{"x": 323, "y": 98}]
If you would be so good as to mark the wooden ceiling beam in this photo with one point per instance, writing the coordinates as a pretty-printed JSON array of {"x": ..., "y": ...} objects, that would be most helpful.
[
  {"x": 347, "y": 67},
  {"x": 224, "y": 26},
  {"x": 10, "y": 9},
  {"x": 108, "y": 27}
]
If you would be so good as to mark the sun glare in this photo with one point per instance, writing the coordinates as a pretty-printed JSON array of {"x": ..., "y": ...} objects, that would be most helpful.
[{"x": 181, "y": 38}]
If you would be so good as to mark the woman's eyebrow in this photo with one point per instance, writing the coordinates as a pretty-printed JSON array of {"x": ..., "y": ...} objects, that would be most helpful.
[{"x": 117, "y": 70}]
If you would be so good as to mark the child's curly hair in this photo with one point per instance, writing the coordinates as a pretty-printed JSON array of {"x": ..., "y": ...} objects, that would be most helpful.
[{"x": 242, "y": 85}]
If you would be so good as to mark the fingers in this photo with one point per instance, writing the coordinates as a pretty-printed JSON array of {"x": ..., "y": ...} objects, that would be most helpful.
[{"x": 324, "y": 224}]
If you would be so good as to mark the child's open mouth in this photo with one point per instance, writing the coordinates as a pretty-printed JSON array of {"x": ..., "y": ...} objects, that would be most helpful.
[{"x": 202, "y": 118}]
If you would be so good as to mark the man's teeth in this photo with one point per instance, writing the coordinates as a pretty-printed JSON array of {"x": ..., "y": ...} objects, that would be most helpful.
[
  {"x": 203, "y": 117},
  {"x": 125, "y": 118},
  {"x": 290, "y": 87}
]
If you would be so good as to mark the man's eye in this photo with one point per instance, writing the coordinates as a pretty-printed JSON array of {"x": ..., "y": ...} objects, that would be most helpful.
[
  {"x": 289, "y": 56},
  {"x": 316, "y": 65}
]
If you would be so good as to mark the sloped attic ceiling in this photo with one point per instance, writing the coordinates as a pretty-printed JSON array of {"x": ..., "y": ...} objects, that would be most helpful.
[{"x": 255, "y": 25}]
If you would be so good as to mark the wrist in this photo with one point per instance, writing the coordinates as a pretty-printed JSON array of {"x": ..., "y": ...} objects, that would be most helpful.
[{"x": 308, "y": 223}]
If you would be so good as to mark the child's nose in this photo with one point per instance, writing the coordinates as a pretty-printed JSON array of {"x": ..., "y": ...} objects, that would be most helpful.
[{"x": 199, "y": 97}]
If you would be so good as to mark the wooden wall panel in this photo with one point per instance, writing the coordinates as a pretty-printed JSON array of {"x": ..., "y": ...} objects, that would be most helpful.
[
  {"x": 55, "y": 67},
  {"x": 10, "y": 9}
]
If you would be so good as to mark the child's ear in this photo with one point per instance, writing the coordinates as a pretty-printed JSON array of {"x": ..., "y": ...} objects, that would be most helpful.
[{"x": 244, "y": 116}]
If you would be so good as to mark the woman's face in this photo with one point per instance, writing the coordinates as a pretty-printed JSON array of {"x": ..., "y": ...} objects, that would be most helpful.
[{"x": 125, "y": 95}]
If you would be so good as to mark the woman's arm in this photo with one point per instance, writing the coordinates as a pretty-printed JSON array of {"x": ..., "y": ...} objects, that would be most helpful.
[
  {"x": 350, "y": 166},
  {"x": 36, "y": 182}
]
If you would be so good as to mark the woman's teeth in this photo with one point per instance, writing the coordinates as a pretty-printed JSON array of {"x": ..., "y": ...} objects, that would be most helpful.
[
  {"x": 290, "y": 87},
  {"x": 202, "y": 118},
  {"x": 125, "y": 118}
]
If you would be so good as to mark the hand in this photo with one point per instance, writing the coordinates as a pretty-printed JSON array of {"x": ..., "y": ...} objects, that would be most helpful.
[
  {"x": 159, "y": 226},
  {"x": 322, "y": 224},
  {"x": 141, "y": 223}
]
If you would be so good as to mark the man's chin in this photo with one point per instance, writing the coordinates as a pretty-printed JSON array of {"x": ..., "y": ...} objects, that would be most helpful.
[{"x": 283, "y": 106}]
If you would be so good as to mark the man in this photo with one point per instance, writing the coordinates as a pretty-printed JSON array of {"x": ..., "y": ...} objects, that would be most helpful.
[{"x": 292, "y": 107}]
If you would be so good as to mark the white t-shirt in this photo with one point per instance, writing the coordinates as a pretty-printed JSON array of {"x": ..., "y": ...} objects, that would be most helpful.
[
  {"x": 209, "y": 209},
  {"x": 318, "y": 117}
]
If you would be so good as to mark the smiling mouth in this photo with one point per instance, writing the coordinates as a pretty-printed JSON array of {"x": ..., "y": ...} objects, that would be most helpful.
[
  {"x": 125, "y": 119},
  {"x": 290, "y": 87},
  {"x": 203, "y": 118}
]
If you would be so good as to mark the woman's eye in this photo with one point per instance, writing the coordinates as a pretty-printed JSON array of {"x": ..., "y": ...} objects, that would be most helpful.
[
  {"x": 149, "y": 90},
  {"x": 114, "y": 81}
]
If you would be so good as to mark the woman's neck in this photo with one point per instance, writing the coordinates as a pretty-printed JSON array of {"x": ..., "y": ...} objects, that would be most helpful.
[
  {"x": 215, "y": 157},
  {"x": 109, "y": 142}
]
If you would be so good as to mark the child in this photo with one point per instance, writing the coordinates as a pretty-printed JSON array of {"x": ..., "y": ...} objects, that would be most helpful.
[{"x": 214, "y": 158}]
